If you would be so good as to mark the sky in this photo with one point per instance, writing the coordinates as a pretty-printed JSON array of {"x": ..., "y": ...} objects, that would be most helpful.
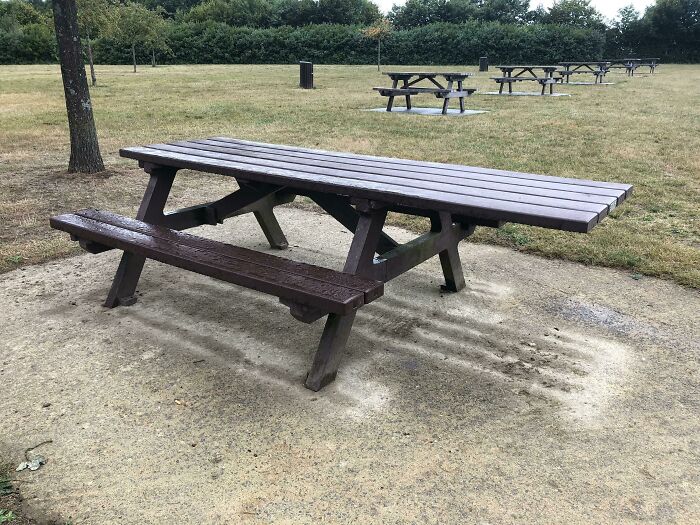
[{"x": 609, "y": 8}]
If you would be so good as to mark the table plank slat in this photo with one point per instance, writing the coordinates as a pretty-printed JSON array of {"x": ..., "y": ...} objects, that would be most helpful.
[{"x": 468, "y": 206}]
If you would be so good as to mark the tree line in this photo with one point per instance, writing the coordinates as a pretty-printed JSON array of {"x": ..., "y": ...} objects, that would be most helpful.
[{"x": 341, "y": 31}]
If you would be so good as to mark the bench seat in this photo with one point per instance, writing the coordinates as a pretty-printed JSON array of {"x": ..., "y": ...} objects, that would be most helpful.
[
  {"x": 293, "y": 282},
  {"x": 541, "y": 80},
  {"x": 456, "y": 94}
]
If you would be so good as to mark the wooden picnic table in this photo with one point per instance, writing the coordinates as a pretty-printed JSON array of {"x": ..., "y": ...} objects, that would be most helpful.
[
  {"x": 408, "y": 87},
  {"x": 598, "y": 68},
  {"x": 512, "y": 74},
  {"x": 628, "y": 64},
  {"x": 358, "y": 191}
]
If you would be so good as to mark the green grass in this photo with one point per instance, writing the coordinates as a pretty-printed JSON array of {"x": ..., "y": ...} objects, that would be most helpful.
[{"x": 644, "y": 131}]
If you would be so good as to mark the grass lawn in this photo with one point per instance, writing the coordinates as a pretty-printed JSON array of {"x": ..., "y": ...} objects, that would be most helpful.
[{"x": 644, "y": 131}]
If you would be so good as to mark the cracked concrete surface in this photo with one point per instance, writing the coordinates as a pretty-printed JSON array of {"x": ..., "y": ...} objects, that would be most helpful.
[{"x": 546, "y": 392}]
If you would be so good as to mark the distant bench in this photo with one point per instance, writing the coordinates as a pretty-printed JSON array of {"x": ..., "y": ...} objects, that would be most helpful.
[
  {"x": 408, "y": 88},
  {"x": 597, "y": 68},
  {"x": 512, "y": 74}
]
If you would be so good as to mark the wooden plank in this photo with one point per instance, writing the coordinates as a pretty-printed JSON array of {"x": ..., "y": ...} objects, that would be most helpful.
[
  {"x": 584, "y": 193},
  {"x": 453, "y": 168},
  {"x": 325, "y": 296},
  {"x": 535, "y": 215},
  {"x": 401, "y": 182},
  {"x": 367, "y": 287}
]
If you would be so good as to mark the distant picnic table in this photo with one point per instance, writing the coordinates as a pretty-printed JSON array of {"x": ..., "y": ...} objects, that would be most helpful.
[
  {"x": 453, "y": 89},
  {"x": 628, "y": 64},
  {"x": 356, "y": 190},
  {"x": 598, "y": 68},
  {"x": 512, "y": 74}
]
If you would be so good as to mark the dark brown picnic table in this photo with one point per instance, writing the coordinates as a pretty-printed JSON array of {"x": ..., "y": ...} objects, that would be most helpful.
[
  {"x": 511, "y": 74},
  {"x": 408, "y": 88},
  {"x": 598, "y": 68},
  {"x": 358, "y": 191}
]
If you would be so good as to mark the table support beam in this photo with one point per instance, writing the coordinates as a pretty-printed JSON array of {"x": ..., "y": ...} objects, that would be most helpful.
[
  {"x": 337, "y": 330},
  {"x": 442, "y": 240},
  {"x": 340, "y": 209}
]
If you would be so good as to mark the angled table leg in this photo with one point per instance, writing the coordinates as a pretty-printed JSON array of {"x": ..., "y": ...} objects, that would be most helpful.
[
  {"x": 337, "y": 329},
  {"x": 271, "y": 228},
  {"x": 151, "y": 210},
  {"x": 449, "y": 257}
]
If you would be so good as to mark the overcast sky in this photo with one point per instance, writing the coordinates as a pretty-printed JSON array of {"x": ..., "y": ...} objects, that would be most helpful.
[{"x": 609, "y": 8}]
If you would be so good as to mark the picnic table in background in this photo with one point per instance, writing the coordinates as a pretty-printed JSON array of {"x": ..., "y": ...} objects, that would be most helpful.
[
  {"x": 453, "y": 89},
  {"x": 511, "y": 74},
  {"x": 356, "y": 190},
  {"x": 628, "y": 64},
  {"x": 651, "y": 63},
  {"x": 598, "y": 68}
]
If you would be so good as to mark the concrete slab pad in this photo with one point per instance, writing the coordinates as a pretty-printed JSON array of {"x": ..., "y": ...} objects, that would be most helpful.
[
  {"x": 431, "y": 111},
  {"x": 589, "y": 84},
  {"x": 545, "y": 392},
  {"x": 525, "y": 94}
]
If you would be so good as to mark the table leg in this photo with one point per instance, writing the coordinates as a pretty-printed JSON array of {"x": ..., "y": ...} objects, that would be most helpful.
[
  {"x": 337, "y": 330},
  {"x": 408, "y": 97},
  {"x": 271, "y": 228},
  {"x": 500, "y": 89},
  {"x": 461, "y": 99},
  {"x": 449, "y": 258},
  {"x": 151, "y": 210}
]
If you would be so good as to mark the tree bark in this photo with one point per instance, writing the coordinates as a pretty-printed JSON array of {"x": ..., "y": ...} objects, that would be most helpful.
[
  {"x": 133, "y": 55},
  {"x": 91, "y": 62},
  {"x": 84, "y": 149}
]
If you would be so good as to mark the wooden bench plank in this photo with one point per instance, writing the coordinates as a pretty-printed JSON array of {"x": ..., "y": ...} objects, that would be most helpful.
[
  {"x": 505, "y": 184},
  {"x": 368, "y": 287},
  {"x": 454, "y": 170},
  {"x": 274, "y": 281},
  {"x": 490, "y": 209}
]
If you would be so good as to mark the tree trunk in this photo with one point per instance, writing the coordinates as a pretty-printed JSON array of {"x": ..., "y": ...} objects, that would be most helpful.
[
  {"x": 153, "y": 58},
  {"x": 84, "y": 149},
  {"x": 91, "y": 62},
  {"x": 379, "y": 54},
  {"x": 133, "y": 55}
]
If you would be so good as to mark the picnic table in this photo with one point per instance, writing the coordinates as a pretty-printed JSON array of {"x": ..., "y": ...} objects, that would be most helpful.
[
  {"x": 628, "y": 64},
  {"x": 651, "y": 63},
  {"x": 356, "y": 190},
  {"x": 596, "y": 68},
  {"x": 511, "y": 74},
  {"x": 408, "y": 87}
]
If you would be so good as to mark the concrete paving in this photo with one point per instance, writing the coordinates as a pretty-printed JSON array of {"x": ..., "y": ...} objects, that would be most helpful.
[{"x": 546, "y": 392}]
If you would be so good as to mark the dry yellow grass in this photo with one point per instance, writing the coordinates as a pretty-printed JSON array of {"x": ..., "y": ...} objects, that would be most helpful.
[{"x": 644, "y": 131}]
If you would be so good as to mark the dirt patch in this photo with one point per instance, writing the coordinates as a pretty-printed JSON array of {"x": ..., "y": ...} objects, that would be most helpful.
[{"x": 544, "y": 392}]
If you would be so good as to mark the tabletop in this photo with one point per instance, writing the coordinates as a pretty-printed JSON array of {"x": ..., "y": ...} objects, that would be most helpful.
[
  {"x": 479, "y": 193},
  {"x": 428, "y": 74},
  {"x": 529, "y": 67}
]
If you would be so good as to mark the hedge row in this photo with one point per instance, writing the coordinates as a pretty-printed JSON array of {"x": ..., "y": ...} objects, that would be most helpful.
[{"x": 215, "y": 43}]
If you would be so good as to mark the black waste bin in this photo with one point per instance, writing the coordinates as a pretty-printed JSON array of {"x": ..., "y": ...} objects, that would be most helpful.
[
  {"x": 306, "y": 75},
  {"x": 484, "y": 64}
]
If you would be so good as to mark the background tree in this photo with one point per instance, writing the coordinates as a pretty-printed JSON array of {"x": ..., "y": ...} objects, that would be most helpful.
[
  {"x": 137, "y": 26},
  {"x": 380, "y": 30},
  {"x": 156, "y": 39},
  {"x": 84, "y": 149},
  {"x": 575, "y": 13},
  {"x": 94, "y": 18}
]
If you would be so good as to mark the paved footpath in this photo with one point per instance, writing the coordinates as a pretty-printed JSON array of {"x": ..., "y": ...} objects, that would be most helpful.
[{"x": 546, "y": 392}]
